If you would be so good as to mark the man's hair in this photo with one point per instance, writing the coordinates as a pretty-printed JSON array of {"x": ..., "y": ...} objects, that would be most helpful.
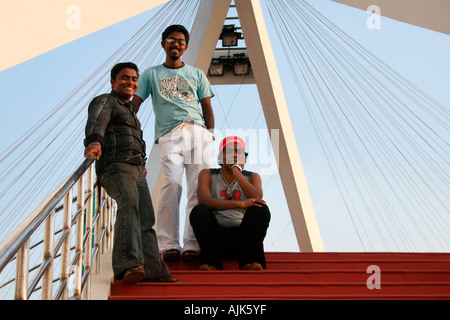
[
  {"x": 175, "y": 28},
  {"x": 122, "y": 65}
]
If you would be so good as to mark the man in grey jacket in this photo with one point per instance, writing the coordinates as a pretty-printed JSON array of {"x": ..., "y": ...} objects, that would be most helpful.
[{"x": 114, "y": 139}]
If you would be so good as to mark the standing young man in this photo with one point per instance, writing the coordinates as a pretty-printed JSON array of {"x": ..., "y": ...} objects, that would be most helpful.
[
  {"x": 183, "y": 132},
  {"x": 114, "y": 140}
]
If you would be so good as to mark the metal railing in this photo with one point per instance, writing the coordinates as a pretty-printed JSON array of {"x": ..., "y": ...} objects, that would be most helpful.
[{"x": 86, "y": 230}]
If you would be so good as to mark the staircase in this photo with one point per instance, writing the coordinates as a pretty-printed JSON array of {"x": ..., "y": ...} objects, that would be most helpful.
[{"x": 295, "y": 276}]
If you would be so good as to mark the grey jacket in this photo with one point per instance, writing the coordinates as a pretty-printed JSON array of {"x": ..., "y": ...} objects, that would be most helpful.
[{"x": 113, "y": 122}]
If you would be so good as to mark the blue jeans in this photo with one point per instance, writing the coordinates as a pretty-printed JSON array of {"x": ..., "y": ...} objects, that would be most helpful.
[{"x": 135, "y": 242}]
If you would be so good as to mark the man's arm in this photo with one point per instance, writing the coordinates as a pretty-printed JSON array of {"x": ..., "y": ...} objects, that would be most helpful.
[
  {"x": 137, "y": 103},
  {"x": 204, "y": 195},
  {"x": 99, "y": 115},
  {"x": 208, "y": 114},
  {"x": 253, "y": 187}
]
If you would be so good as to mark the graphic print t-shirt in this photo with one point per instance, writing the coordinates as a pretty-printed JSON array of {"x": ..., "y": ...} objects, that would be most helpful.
[
  {"x": 220, "y": 189},
  {"x": 176, "y": 93}
]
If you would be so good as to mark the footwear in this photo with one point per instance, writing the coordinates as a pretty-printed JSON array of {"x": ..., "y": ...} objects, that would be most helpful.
[
  {"x": 252, "y": 266},
  {"x": 134, "y": 275},
  {"x": 205, "y": 267},
  {"x": 190, "y": 255},
  {"x": 171, "y": 255}
]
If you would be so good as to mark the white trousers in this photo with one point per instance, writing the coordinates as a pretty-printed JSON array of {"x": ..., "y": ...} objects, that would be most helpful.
[{"x": 188, "y": 148}]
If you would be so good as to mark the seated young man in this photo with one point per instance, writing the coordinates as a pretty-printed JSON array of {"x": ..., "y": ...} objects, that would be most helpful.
[{"x": 231, "y": 219}]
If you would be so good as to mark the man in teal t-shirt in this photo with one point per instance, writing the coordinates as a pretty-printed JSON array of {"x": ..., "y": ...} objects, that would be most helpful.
[{"x": 183, "y": 132}]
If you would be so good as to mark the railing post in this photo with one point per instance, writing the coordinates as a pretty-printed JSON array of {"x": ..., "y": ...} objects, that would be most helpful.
[
  {"x": 88, "y": 246},
  {"x": 104, "y": 219},
  {"x": 79, "y": 238},
  {"x": 65, "y": 250},
  {"x": 110, "y": 221},
  {"x": 97, "y": 229},
  {"x": 21, "y": 292},
  {"x": 47, "y": 277}
]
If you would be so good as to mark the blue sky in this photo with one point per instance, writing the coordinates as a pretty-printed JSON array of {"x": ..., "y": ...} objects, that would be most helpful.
[{"x": 30, "y": 90}]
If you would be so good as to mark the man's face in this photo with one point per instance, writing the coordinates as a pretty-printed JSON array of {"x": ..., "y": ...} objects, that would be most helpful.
[
  {"x": 126, "y": 83},
  {"x": 172, "y": 46},
  {"x": 233, "y": 154}
]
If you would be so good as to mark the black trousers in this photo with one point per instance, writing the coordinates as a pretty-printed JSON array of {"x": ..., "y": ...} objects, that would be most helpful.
[{"x": 243, "y": 243}]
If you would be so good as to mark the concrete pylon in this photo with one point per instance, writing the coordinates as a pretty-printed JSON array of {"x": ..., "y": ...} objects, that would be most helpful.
[{"x": 204, "y": 36}]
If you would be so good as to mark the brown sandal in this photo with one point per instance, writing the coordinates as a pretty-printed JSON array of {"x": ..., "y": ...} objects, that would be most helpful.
[
  {"x": 252, "y": 266},
  {"x": 206, "y": 267},
  {"x": 134, "y": 275}
]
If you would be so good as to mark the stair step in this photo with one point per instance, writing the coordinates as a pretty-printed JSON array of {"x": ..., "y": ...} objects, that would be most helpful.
[
  {"x": 359, "y": 264},
  {"x": 295, "y": 276},
  {"x": 311, "y": 276},
  {"x": 289, "y": 297},
  {"x": 276, "y": 288},
  {"x": 404, "y": 256}
]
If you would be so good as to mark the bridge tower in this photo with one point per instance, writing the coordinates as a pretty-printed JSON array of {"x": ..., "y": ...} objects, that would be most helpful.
[
  {"x": 205, "y": 33},
  {"x": 47, "y": 28}
]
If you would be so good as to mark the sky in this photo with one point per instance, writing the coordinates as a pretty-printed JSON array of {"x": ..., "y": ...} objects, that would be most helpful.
[{"x": 32, "y": 89}]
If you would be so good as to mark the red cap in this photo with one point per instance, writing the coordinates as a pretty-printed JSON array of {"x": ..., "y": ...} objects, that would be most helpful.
[{"x": 232, "y": 139}]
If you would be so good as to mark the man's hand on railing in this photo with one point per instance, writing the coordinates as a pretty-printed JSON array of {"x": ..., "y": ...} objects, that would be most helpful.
[{"x": 93, "y": 150}]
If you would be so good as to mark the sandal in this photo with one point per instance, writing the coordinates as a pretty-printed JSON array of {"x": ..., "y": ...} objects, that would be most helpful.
[
  {"x": 134, "y": 275},
  {"x": 206, "y": 267},
  {"x": 171, "y": 255},
  {"x": 252, "y": 266},
  {"x": 190, "y": 256}
]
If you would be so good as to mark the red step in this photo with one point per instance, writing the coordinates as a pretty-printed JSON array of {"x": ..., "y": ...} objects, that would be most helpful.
[
  {"x": 276, "y": 290},
  {"x": 341, "y": 276},
  {"x": 304, "y": 276}
]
